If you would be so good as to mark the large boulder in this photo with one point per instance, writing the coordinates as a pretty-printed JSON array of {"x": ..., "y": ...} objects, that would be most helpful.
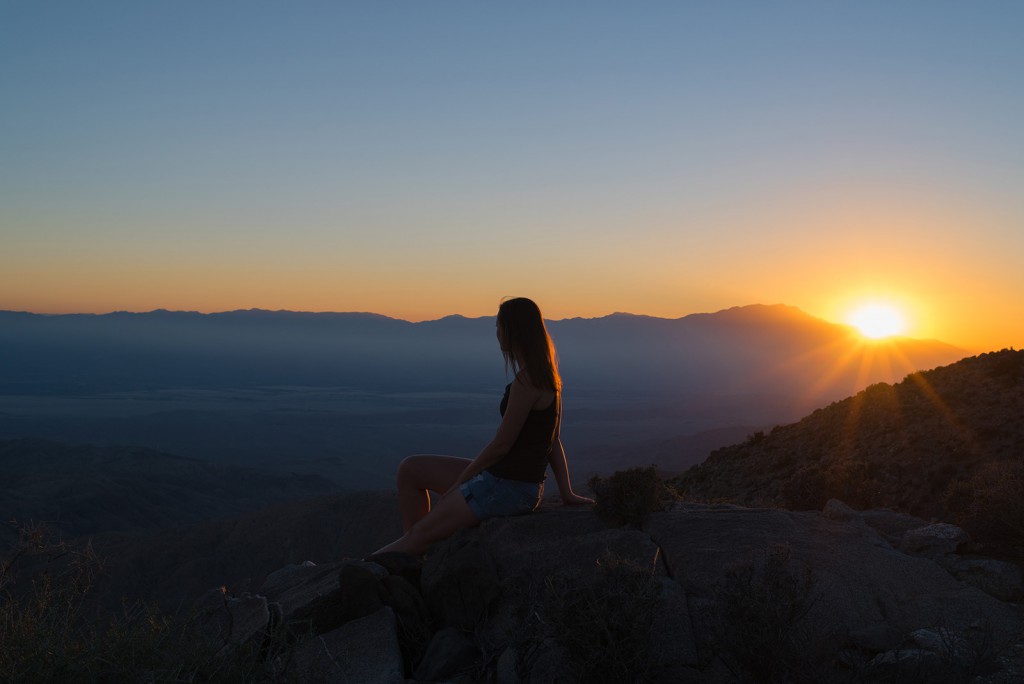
[
  {"x": 224, "y": 620},
  {"x": 1000, "y": 579},
  {"x": 299, "y": 585},
  {"x": 856, "y": 578},
  {"x": 552, "y": 586}
]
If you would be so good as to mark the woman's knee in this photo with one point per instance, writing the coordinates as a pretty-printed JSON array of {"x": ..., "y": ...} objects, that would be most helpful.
[
  {"x": 410, "y": 471},
  {"x": 429, "y": 471}
]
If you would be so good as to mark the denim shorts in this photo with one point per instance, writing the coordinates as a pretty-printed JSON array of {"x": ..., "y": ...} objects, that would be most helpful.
[{"x": 489, "y": 496}]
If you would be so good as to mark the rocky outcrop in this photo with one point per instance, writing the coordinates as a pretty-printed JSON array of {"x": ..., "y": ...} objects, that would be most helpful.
[
  {"x": 704, "y": 593},
  {"x": 940, "y": 542}
]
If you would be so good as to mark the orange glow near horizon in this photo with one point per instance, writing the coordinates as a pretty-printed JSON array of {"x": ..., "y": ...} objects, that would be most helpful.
[{"x": 975, "y": 325}]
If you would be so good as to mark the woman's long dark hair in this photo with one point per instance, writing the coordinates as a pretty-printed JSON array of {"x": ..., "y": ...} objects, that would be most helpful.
[{"x": 527, "y": 343}]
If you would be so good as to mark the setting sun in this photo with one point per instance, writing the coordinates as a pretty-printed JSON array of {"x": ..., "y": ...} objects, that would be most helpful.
[{"x": 877, "y": 321}]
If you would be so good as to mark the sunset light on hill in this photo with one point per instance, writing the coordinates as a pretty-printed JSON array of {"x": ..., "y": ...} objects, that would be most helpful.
[{"x": 878, "y": 321}]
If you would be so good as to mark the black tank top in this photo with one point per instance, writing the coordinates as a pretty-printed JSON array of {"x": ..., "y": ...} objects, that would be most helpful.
[{"x": 527, "y": 461}]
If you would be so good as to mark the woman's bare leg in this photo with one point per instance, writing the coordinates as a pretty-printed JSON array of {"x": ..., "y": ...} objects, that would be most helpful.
[
  {"x": 422, "y": 473},
  {"x": 450, "y": 514}
]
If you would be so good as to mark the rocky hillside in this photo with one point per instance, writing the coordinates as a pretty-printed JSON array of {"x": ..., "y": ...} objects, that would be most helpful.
[
  {"x": 712, "y": 594},
  {"x": 173, "y": 564},
  {"x": 946, "y": 443}
]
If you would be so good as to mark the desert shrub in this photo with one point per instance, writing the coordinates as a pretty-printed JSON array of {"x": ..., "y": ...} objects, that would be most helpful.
[
  {"x": 1008, "y": 368},
  {"x": 855, "y": 481},
  {"x": 628, "y": 497},
  {"x": 603, "y": 620},
  {"x": 761, "y": 631},
  {"x": 990, "y": 504},
  {"x": 784, "y": 461},
  {"x": 806, "y": 489}
]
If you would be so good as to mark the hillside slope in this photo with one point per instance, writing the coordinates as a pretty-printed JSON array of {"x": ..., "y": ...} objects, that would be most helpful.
[
  {"x": 177, "y": 563},
  {"x": 930, "y": 445},
  {"x": 85, "y": 489}
]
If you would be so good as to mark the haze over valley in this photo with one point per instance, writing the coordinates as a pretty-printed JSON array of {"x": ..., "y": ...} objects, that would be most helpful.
[{"x": 346, "y": 396}]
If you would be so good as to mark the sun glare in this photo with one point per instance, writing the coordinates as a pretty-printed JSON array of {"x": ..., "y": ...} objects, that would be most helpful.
[{"x": 877, "y": 321}]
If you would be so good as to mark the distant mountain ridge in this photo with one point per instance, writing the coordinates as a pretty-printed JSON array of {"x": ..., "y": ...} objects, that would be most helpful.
[{"x": 660, "y": 355}]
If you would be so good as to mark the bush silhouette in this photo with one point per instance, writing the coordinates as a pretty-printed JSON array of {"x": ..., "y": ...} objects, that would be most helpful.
[
  {"x": 628, "y": 497},
  {"x": 761, "y": 633},
  {"x": 604, "y": 621},
  {"x": 990, "y": 504}
]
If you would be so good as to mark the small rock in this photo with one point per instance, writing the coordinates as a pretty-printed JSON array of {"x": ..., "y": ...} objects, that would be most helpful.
[
  {"x": 225, "y": 619},
  {"x": 890, "y": 524},
  {"x": 933, "y": 541},
  {"x": 836, "y": 510}
]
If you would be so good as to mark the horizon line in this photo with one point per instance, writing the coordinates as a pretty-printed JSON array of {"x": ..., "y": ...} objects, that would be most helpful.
[
  {"x": 406, "y": 320},
  {"x": 970, "y": 349}
]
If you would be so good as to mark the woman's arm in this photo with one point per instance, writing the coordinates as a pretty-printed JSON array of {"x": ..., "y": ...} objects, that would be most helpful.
[
  {"x": 521, "y": 399},
  {"x": 560, "y": 467}
]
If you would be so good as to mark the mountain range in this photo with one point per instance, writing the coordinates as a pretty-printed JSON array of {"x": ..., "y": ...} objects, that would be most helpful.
[{"x": 778, "y": 349}]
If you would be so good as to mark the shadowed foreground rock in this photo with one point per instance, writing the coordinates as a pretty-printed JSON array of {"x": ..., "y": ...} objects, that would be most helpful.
[{"x": 702, "y": 594}]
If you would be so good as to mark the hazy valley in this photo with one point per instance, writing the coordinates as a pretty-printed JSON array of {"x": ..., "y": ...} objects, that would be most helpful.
[{"x": 346, "y": 396}]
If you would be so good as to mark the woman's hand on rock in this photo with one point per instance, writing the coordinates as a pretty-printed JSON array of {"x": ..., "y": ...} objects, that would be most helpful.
[{"x": 576, "y": 500}]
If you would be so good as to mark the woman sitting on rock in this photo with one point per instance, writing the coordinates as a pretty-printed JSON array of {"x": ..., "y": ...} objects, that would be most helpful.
[{"x": 507, "y": 476}]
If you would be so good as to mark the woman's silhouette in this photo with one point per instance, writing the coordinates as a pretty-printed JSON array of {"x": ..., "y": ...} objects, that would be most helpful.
[{"x": 507, "y": 476}]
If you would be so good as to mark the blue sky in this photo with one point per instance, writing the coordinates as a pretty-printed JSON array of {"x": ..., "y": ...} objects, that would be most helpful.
[{"x": 420, "y": 159}]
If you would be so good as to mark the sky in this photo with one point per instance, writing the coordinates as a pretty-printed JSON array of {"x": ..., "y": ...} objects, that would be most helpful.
[{"x": 421, "y": 159}]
